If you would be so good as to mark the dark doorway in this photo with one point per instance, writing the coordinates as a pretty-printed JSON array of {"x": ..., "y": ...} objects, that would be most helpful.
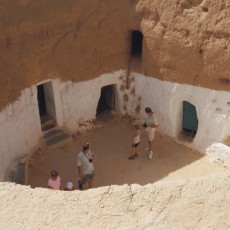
[
  {"x": 136, "y": 46},
  {"x": 190, "y": 120},
  {"x": 41, "y": 101},
  {"x": 107, "y": 100},
  {"x": 46, "y": 104}
]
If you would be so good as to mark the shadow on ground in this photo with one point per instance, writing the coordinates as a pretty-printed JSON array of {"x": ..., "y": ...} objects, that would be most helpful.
[{"x": 111, "y": 143}]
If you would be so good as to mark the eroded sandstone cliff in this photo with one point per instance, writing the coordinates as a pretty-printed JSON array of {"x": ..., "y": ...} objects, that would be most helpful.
[{"x": 184, "y": 41}]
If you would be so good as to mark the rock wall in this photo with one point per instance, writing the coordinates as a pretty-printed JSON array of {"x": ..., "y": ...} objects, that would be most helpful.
[
  {"x": 185, "y": 41},
  {"x": 164, "y": 205},
  {"x": 76, "y": 106},
  {"x": 68, "y": 40},
  {"x": 166, "y": 99},
  {"x": 79, "y": 101}
]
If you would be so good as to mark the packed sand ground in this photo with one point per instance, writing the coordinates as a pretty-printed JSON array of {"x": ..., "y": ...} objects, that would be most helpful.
[
  {"x": 192, "y": 193},
  {"x": 111, "y": 143}
]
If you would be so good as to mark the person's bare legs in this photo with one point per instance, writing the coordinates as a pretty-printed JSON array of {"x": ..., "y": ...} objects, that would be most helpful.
[
  {"x": 133, "y": 152},
  {"x": 150, "y": 149},
  {"x": 136, "y": 151},
  {"x": 90, "y": 183},
  {"x": 150, "y": 145}
]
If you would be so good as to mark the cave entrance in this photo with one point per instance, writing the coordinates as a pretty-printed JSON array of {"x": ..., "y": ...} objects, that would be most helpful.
[
  {"x": 190, "y": 120},
  {"x": 136, "y": 45},
  {"x": 107, "y": 100},
  {"x": 46, "y": 103}
]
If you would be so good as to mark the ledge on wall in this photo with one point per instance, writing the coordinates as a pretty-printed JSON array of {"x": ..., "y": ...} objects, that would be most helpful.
[
  {"x": 219, "y": 152},
  {"x": 183, "y": 204}
]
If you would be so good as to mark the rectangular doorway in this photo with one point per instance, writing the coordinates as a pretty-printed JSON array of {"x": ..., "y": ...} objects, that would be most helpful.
[
  {"x": 46, "y": 102},
  {"x": 136, "y": 45}
]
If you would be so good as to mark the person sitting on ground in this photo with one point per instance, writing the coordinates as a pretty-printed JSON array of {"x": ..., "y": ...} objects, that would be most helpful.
[
  {"x": 150, "y": 127},
  {"x": 135, "y": 141},
  {"x": 69, "y": 187},
  {"x": 54, "y": 181},
  {"x": 85, "y": 166}
]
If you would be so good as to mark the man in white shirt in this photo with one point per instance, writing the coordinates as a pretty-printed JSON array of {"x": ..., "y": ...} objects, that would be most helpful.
[
  {"x": 150, "y": 126},
  {"x": 85, "y": 166}
]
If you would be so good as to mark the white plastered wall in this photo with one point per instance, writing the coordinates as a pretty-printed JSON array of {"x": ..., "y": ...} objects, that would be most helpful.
[
  {"x": 79, "y": 100},
  {"x": 165, "y": 98},
  {"x": 226, "y": 133},
  {"x": 20, "y": 127}
]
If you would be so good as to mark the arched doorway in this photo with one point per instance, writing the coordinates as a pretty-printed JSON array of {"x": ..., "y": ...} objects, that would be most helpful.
[{"x": 107, "y": 100}]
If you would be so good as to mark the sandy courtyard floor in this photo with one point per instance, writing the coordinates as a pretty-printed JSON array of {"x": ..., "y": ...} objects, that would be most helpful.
[{"x": 111, "y": 144}]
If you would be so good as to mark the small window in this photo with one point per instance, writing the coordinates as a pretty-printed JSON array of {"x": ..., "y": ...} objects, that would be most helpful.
[{"x": 136, "y": 48}]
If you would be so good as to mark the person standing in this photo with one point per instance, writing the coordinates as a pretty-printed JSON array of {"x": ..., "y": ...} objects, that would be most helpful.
[
  {"x": 150, "y": 126},
  {"x": 135, "y": 141},
  {"x": 85, "y": 166}
]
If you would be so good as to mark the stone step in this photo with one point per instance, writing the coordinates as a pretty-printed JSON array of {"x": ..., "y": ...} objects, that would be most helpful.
[
  {"x": 52, "y": 132},
  {"x": 56, "y": 138},
  {"x": 48, "y": 125}
]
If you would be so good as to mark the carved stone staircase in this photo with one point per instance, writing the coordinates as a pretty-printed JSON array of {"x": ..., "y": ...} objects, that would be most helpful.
[{"x": 53, "y": 136}]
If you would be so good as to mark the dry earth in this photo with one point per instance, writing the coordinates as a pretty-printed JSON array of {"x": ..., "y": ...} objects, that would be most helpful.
[{"x": 201, "y": 203}]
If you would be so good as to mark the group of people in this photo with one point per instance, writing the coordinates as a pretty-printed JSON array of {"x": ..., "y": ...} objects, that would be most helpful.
[
  {"x": 54, "y": 182},
  {"x": 85, "y": 169},
  {"x": 85, "y": 158}
]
